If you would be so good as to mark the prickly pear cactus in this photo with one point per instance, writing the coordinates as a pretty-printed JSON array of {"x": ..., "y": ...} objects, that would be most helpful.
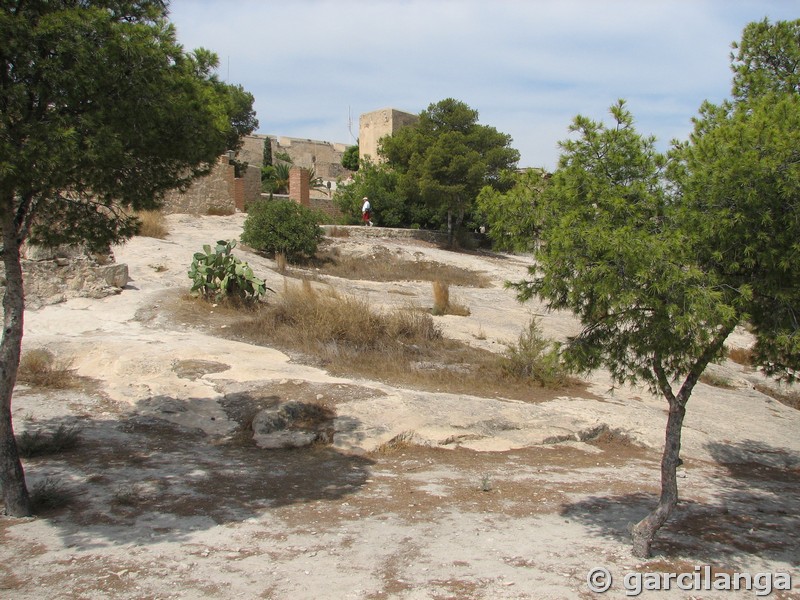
[{"x": 217, "y": 274}]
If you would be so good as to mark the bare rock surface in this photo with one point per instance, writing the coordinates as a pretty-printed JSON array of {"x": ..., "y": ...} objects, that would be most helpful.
[{"x": 214, "y": 468}]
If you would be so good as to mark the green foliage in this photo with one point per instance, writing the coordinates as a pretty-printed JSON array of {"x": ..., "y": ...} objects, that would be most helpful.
[
  {"x": 767, "y": 60},
  {"x": 217, "y": 274},
  {"x": 350, "y": 158},
  {"x": 380, "y": 185},
  {"x": 662, "y": 256},
  {"x": 512, "y": 217},
  {"x": 281, "y": 226},
  {"x": 535, "y": 358},
  {"x": 445, "y": 159},
  {"x": 100, "y": 141},
  {"x": 740, "y": 182},
  {"x": 242, "y": 117},
  {"x": 615, "y": 253},
  {"x": 102, "y": 111},
  {"x": 275, "y": 178}
]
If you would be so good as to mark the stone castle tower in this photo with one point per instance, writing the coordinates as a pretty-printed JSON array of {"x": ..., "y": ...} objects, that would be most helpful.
[{"x": 372, "y": 126}]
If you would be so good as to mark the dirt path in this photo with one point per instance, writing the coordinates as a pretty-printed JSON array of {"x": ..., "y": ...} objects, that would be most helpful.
[{"x": 421, "y": 495}]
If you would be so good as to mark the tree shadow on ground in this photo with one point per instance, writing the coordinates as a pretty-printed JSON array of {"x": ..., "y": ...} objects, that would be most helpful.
[
  {"x": 140, "y": 479},
  {"x": 754, "y": 509}
]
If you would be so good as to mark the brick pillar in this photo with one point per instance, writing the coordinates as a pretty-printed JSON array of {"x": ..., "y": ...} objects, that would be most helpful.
[{"x": 298, "y": 186}]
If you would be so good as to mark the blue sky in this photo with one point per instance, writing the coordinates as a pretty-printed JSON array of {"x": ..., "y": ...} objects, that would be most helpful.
[{"x": 527, "y": 66}]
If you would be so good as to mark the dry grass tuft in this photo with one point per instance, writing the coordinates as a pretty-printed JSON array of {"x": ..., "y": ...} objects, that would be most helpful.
[
  {"x": 441, "y": 298},
  {"x": 398, "y": 443},
  {"x": 152, "y": 224},
  {"x": 40, "y": 367},
  {"x": 326, "y": 323},
  {"x": 742, "y": 356},
  {"x": 129, "y": 494},
  {"x": 403, "y": 346},
  {"x": 49, "y": 494},
  {"x": 41, "y": 443},
  {"x": 382, "y": 265},
  {"x": 716, "y": 380},
  {"x": 443, "y": 304},
  {"x": 220, "y": 211}
]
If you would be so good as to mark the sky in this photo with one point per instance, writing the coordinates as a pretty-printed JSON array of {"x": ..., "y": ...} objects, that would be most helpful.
[{"x": 527, "y": 66}]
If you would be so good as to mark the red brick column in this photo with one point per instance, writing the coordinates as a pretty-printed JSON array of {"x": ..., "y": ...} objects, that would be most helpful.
[{"x": 298, "y": 186}]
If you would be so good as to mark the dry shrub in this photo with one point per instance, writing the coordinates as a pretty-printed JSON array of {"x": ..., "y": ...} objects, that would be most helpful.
[
  {"x": 40, "y": 443},
  {"x": 443, "y": 304},
  {"x": 152, "y": 224},
  {"x": 742, "y": 356},
  {"x": 459, "y": 310},
  {"x": 382, "y": 265},
  {"x": 220, "y": 211},
  {"x": 716, "y": 380},
  {"x": 129, "y": 494},
  {"x": 441, "y": 298},
  {"x": 399, "y": 443},
  {"x": 323, "y": 318},
  {"x": 49, "y": 494},
  {"x": 40, "y": 367},
  {"x": 403, "y": 346},
  {"x": 411, "y": 324}
]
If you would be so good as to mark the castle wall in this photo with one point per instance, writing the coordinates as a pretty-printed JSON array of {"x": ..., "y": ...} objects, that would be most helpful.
[
  {"x": 325, "y": 158},
  {"x": 214, "y": 193},
  {"x": 220, "y": 192}
]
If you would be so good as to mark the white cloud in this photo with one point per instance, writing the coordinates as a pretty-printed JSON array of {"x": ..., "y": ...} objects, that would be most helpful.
[{"x": 528, "y": 67}]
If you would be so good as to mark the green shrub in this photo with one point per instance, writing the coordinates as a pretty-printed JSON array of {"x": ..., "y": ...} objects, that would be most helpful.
[
  {"x": 536, "y": 358},
  {"x": 219, "y": 275},
  {"x": 282, "y": 226}
]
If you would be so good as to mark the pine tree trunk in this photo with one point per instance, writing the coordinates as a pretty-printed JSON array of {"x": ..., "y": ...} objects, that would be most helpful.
[
  {"x": 12, "y": 476},
  {"x": 645, "y": 530}
]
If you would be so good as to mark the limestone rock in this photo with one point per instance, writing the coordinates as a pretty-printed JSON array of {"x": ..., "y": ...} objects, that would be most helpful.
[
  {"x": 53, "y": 275},
  {"x": 114, "y": 275},
  {"x": 291, "y": 425}
]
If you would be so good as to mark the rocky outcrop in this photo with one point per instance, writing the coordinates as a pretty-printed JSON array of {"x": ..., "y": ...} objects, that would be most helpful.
[{"x": 53, "y": 275}]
